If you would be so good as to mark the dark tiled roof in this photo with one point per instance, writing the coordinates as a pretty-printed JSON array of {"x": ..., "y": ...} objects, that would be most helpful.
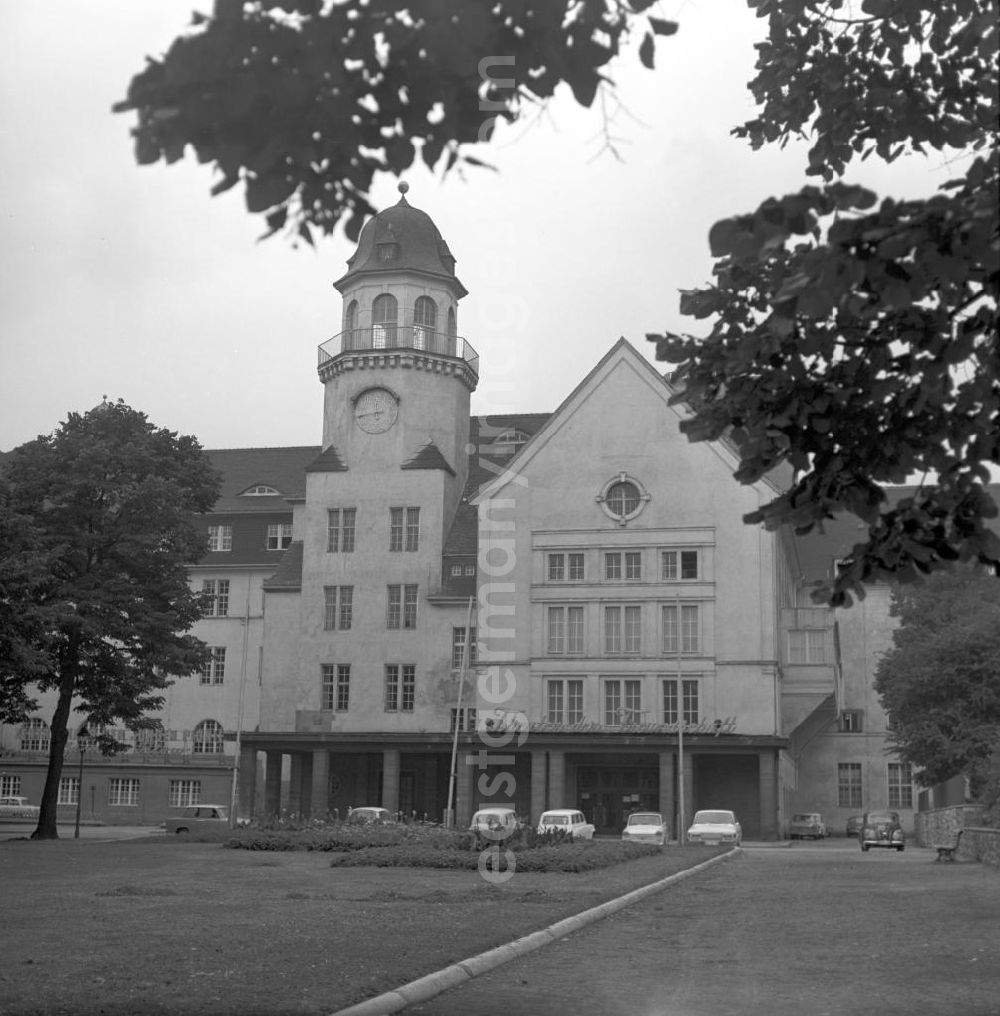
[
  {"x": 242, "y": 468},
  {"x": 328, "y": 461},
  {"x": 288, "y": 577},
  {"x": 429, "y": 457}
]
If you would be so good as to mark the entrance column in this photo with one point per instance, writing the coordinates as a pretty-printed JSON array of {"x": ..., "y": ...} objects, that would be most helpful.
[
  {"x": 272, "y": 783},
  {"x": 319, "y": 792},
  {"x": 390, "y": 779},
  {"x": 557, "y": 781},
  {"x": 667, "y": 791},
  {"x": 465, "y": 780},
  {"x": 295, "y": 802},
  {"x": 247, "y": 782},
  {"x": 768, "y": 795},
  {"x": 538, "y": 780}
]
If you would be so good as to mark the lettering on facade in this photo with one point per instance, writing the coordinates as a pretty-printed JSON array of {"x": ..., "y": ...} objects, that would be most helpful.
[{"x": 503, "y": 720}]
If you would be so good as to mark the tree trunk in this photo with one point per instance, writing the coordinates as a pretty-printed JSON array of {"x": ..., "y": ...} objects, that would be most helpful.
[{"x": 58, "y": 734}]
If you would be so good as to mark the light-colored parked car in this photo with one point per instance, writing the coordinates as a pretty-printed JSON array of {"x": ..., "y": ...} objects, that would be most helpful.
[
  {"x": 15, "y": 806},
  {"x": 570, "y": 821},
  {"x": 369, "y": 816},
  {"x": 199, "y": 816},
  {"x": 807, "y": 825},
  {"x": 715, "y": 826},
  {"x": 645, "y": 827},
  {"x": 881, "y": 829},
  {"x": 495, "y": 823}
]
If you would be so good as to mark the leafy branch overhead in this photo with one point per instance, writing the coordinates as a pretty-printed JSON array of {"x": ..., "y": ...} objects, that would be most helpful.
[
  {"x": 853, "y": 339},
  {"x": 303, "y": 102}
]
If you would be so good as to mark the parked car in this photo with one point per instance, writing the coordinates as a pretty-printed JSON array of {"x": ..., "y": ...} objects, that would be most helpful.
[
  {"x": 645, "y": 827},
  {"x": 882, "y": 829},
  {"x": 807, "y": 825},
  {"x": 570, "y": 821},
  {"x": 715, "y": 826},
  {"x": 495, "y": 823},
  {"x": 369, "y": 816},
  {"x": 15, "y": 806},
  {"x": 199, "y": 816},
  {"x": 854, "y": 825}
]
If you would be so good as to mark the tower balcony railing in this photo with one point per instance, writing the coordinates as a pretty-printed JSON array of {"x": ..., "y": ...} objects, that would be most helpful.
[{"x": 386, "y": 337}]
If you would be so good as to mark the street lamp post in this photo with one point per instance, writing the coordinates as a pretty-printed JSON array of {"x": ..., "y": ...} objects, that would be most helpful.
[{"x": 81, "y": 743}]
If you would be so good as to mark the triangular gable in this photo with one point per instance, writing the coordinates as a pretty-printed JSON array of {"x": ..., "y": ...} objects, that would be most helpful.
[
  {"x": 429, "y": 457},
  {"x": 621, "y": 353},
  {"x": 329, "y": 461}
]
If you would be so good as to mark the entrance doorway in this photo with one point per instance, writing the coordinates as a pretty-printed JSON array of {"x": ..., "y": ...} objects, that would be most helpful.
[{"x": 609, "y": 794}]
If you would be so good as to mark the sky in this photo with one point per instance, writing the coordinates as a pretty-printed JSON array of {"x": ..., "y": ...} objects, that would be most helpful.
[{"x": 132, "y": 282}]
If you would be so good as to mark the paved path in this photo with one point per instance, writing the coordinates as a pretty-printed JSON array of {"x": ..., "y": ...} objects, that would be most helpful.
[{"x": 815, "y": 929}]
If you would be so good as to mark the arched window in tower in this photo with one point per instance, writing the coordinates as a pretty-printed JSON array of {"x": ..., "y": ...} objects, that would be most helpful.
[
  {"x": 350, "y": 325},
  {"x": 425, "y": 315},
  {"x": 208, "y": 738},
  {"x": 384, "y": 316}
]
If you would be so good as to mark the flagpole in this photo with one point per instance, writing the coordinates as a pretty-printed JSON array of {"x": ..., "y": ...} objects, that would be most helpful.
[{"x": 466, "y": 650}]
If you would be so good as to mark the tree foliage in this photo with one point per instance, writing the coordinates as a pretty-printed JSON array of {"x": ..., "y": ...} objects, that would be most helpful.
[
  {"x": 856, "y": 339},
  {"x": 940, "y": 681},
  {"x": 97, "y": 533},
  {"x": 304, "y": 101}
]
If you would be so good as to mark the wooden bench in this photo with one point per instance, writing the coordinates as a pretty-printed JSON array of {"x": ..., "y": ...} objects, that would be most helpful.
[{"x": 946, "y": 851}]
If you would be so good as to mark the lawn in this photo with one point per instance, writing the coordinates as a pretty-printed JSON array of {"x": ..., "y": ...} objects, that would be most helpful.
[{"x": 159, "y": 926}]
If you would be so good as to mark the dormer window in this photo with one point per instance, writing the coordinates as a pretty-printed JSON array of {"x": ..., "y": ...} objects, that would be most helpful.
[
  {"x": 387, "y": 251},
  {"x": 260, "y": 490}
]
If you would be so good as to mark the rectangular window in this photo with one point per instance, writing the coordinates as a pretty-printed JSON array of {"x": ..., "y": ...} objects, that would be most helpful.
[
  {"x": 807, "y": 645},
  {"x": 404, "y": 529},
  {"x": 612, "y": 629},
  {"x": 218, "y": 592},
  {"x": 123, "y": 793},
  {"x": 338, "y": 607},
  {"x": 340, "y": 530},
  {"x": 69, "y": 790},
  {"x": 401, "y": 607},
  {"x": 458, "y": 645},
  {"x": 900, "y": 785},
  {"x": 456, "y": 570},
  {"x": 556, "y": 642},
  {"x": 184, "y": 793},
  {"x": 849, "y": 785},
  {"x": 633, "y": 629},
  {"x": 400, "y": 686},
  {"x": 564, "y": 701},
  {"x": 395, "y": 529},
  {"x": 623, "y": 629},
  {"x": 279, "y": 535},
  {"x": 220, "y": 537},
  {"x": 622, "y": 701},
  {"x": 575, "y": 567},
  {"x": 412, "y": 542},
  {"x": 613, "y": 566},
  {"x": 336, "y": 688},
  {"x": 678, "y": 564},
  {"x": 689, "y": 701},
  {"x": 557, "y": 567},
  {"x": 689, "y": 629},
  {"x": 343, "y": 687},
  {"x": 564, "y": 630},
  {"x": 633, "y": 564},
  {"x": 10, "y": 786},
  {"x": 213, "y": 670},
  {"x": 852, "y": 721},
  {"x": 466, "y": 722}
]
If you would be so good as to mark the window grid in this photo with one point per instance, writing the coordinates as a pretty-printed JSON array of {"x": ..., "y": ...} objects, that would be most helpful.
[
  {"x": 466, "y": 723},
  {"x": 622, "y": 498},
  {"x": 395, "y": 530},
  {"x": 612, "y": 566},
  {"x": 622, "y": 701},
  {"x": 35, "y": 735},
  {"x": 10, "y": 786},
  {"x": 852, "y": 721},
  {"x": 343, "y": 687},
  {"x": 900, "y": 785},
  {"x": 183, "y": 793},
  {"x": 213, "y": 670},
  {"x": 340, "y": 526},
  {"x": 576, "y": 567},
  {"x": 220, "y": 538},
  {"x": 688, "y": 633},
  {"x": 557, "y": 567},
  {"x": 279, "y": 535},
  {"x": 69, "y": 790},
  {"x": 217, "y": 590},
  {"x": 633, "y": 565},
  {"x": 622, "y": 629},
  {"x": 458, "y": 644},
  {"x": 400, "y": 687},
  {"x": 338, "y": 608},
  {"x": 208, "y": 738},
  {"x": 849, "y": 785},
  {"x": 412, "y": 529},
  {"x": 689, "y": 701},
  {"x": 678, "y": 564},
  {"x": 123, "y": 792},
  {"x": 401, "y": 609},
  {"x": 564, "y": 701}
]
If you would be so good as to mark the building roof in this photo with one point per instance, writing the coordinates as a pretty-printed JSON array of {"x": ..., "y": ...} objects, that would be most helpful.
[
  {"x": 419, "y": 246},
  {"x": 288, "y": 575},
  {"x": 328, "y": 461},
  {"x": 283, "y": 469},
  {"x": 429, "y": 457}
]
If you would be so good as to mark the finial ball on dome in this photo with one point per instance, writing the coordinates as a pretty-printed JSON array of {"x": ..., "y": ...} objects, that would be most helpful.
[{"x": 403, "y": 187}]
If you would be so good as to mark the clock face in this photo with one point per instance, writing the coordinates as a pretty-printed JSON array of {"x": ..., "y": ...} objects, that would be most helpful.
[{"x": 376, "y": 410}]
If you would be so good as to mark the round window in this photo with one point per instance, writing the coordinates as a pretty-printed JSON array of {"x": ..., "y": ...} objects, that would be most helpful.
[{"x": 622, "y": 499}]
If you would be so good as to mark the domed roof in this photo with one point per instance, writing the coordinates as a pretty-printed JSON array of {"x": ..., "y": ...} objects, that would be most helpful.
[{"x": 401, "y": 238}]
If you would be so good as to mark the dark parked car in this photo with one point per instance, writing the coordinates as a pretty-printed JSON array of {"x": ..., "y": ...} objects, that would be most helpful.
[
  {"x": 882, "y": 829},
  {"x": 854, "y": 825}
]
